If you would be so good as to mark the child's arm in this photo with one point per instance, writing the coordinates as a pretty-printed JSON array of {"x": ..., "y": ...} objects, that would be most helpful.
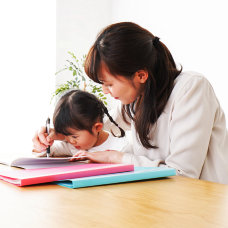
[{"x": 107, "y": 156}]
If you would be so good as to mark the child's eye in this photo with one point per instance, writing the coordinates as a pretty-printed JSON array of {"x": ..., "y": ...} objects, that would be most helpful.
[{"x": 74, "y": 136}]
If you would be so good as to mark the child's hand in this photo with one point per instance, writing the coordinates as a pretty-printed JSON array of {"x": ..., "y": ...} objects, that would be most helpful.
[
  {"x": 108, "y": 156},
  {"x": 42, "y": 140},
  {"x": 79, "y": 156}
]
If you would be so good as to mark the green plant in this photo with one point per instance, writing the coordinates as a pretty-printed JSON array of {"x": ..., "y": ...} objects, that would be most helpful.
[{"x": 80, "y": 79}]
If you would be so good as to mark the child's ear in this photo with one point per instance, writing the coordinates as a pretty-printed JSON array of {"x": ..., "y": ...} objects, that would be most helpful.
[
  {"x": 97, "y": 127},
  {"x": 141, "y": 76}
]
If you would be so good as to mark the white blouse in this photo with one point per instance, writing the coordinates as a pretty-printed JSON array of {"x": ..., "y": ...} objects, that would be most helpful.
[{"x": 191, "y": 133}]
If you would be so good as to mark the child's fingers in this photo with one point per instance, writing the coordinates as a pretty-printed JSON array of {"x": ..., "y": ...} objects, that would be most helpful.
[
  {"x": 37, "y": 144},
  {"x": 42, "y": 136},
  {"x": 54, "y": 136},
  {"x": 42, "y": 140},
  {"x": 36, "y": 151},
  {"x": 81, "y": 158},
  {"x": 51, "y": 137},
  {"x": 81, "y": 155}
]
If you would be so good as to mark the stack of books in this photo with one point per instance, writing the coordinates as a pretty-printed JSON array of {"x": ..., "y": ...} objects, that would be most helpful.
[{"x": 61, "y": 171}]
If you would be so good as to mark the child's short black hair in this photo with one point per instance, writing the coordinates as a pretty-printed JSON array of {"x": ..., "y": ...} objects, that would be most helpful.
[{"x": 79, "y": 110}]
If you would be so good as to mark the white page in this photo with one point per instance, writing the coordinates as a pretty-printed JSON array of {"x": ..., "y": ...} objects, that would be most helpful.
[
  {"x": 49, "y": 165},
  {"x": 37, "y": 162}
]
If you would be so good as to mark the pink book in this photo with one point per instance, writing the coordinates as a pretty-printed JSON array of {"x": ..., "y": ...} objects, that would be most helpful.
[{"x": 21, "y": 177}]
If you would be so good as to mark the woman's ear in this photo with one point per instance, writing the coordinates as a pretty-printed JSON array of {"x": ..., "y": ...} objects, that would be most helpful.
[
  {"x": 97, "y": 127},
  {"x": 141, "y": 76}
]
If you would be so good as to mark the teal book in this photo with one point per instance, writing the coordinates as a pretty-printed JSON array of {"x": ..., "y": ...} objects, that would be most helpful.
[{"x": 139, "y": 173}]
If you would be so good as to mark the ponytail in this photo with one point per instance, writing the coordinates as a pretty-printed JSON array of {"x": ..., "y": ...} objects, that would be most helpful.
[{"x": 122, "y": 132}]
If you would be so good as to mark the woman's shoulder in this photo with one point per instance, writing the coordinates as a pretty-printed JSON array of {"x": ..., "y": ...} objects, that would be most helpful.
[
  {"x": 190, "y": 80},
  {"x": 189, "y": 77},
  {"x": 190, "y": 85}
]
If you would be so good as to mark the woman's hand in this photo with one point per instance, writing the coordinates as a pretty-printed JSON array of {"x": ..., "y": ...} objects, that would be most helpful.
[
  {"x": 107, "y": 156},
  {"x": 42, "y": 140}
]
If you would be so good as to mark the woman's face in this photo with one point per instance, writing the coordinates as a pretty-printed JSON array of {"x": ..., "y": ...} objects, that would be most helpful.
[{"x": 119, "y": 87}]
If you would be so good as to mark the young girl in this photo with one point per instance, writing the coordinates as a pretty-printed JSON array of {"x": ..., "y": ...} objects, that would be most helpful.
[
  {"x": 78, "y": 123},
  {"x": 175, "y": 117}
]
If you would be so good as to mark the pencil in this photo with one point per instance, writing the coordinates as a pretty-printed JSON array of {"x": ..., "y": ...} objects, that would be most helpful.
[{"x": 48, "y": 130}]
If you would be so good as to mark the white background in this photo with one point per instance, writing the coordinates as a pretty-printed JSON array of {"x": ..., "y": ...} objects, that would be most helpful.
[
  {"x": 196, "y": 32},
  {"x": 36, "y": 36},
  {"x": 27, "y": 68}
]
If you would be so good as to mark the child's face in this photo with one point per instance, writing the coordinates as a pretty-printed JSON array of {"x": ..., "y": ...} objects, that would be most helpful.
[
  {"x": 120, "y": 87},
  {"x": 82, "y": 139}
]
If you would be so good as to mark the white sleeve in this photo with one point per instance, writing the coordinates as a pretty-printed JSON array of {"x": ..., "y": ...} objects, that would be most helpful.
[
  {"x": 61, "y": 149},
  {"x": 191, "y": 127},
  {"x": 137, "y": 160}
]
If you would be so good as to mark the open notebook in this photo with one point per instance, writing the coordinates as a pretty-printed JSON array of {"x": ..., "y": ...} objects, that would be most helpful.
[{"x": 37, "y": 162}]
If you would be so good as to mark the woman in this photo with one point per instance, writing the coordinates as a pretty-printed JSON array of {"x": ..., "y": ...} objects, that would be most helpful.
[{"x": 175, "y": 117}]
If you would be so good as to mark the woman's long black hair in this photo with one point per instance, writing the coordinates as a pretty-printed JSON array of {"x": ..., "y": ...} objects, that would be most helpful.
[
  {"x": 126, "y": 48},
  {"x": 79, "y": 110}
]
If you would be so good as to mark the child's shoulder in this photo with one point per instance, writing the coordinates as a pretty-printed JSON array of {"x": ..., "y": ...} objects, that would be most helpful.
[{"x": 116, "y": 142}]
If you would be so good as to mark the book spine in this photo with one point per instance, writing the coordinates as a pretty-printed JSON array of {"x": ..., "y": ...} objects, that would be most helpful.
[
  {"x": 77, "y": 174},
  {"x": 120, "y": 178}
]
